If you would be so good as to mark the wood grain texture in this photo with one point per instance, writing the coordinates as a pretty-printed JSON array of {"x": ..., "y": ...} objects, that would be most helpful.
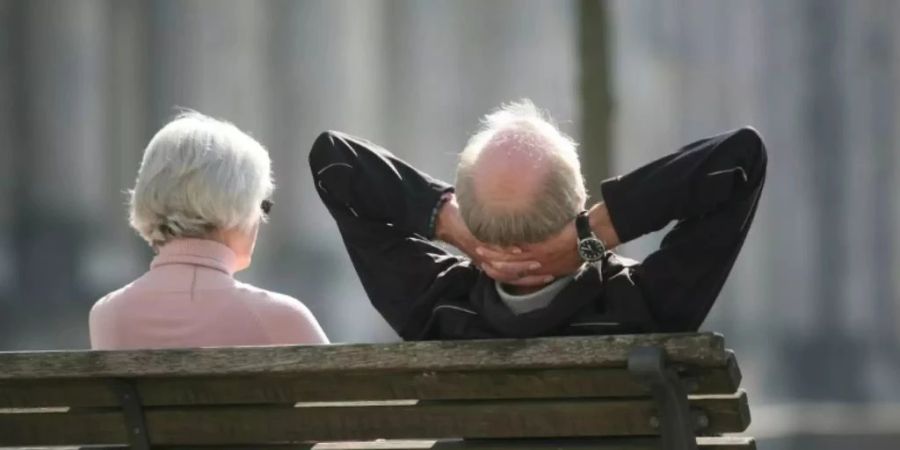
[
  {"x": 726, "y": 410},
  {"x": 703, "y": 349},
  {"x": 351, "y": 386},
  {"x": 639, "y": 443},
  {"x": 62, "y": 428},
  {"x": 548, "y": 388},
  {"x": 426, "y": 420}
]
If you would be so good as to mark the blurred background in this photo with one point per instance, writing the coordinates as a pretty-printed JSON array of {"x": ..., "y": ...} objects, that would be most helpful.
[{"x": 812, "y": 308}]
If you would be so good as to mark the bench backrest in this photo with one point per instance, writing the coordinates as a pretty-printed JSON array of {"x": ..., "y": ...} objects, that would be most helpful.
[{"x": 549, "y": 388}]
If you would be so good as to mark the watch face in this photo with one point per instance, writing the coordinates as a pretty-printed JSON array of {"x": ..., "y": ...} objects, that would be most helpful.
[{"x": 590, "y": 249}]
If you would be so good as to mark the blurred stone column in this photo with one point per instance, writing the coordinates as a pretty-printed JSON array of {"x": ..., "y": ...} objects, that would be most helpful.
[
  {"x": 814, "y": 292},
  {"x": 869, "y": 304},
  {"x": 9, "y": 142},
  {"x": 115, "y": 254},
  {"x": 328, "y": 70},
  {"x": 596, "y": 98},
  {"x": 60, "y": 57}
]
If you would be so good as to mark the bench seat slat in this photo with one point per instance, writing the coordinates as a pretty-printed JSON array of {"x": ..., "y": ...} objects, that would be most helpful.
[
  {"x": 344, "y": 386},
  {"x": 641, "y": 443},
  {"x": 62, "y": 428},
  {"x": 426, "y": 420},
  {"x": 703, "y": 349}
]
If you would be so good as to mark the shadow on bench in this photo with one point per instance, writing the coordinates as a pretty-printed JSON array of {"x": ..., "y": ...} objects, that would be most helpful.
[{"x": 599, "y": 392}]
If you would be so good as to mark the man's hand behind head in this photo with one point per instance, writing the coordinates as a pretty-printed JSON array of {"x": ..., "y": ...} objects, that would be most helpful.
[
  {"x": 557, "y": 255},
  {"x": 452, "y": 230}
]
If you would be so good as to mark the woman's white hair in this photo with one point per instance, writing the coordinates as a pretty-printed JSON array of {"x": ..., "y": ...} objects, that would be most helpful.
[
  {"x": 563, "y": 194},
  {"x": 199, "y": 175}
]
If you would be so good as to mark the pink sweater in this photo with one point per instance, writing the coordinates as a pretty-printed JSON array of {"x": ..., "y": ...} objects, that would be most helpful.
[{"x": 189, "y": 298}]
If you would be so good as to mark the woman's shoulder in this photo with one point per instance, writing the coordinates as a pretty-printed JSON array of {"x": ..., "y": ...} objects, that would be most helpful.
[
  {"x": 286, "y": 319},
  {"x": 263, "y": 298},
  {"x": 103, "y": 317},
  {"x": 110, "y": 299}
]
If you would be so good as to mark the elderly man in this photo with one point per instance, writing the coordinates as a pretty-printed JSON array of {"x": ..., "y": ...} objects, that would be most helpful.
[{"x": 539, "y": 263}]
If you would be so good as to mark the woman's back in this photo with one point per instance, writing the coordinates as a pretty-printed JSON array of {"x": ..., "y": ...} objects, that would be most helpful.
[
  {"x": 202, "y": 191},
  {"x": 190, "y": 299}
]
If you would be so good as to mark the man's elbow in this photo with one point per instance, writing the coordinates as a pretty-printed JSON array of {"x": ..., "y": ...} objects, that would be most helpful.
[
  {"x": 750, "y": 143},
  {"x": 322, "y": 150}
]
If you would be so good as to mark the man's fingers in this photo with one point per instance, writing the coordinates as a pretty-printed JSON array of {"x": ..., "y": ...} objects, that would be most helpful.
[
  {"x": 494, "y": 254},
  {"x": 514, "y": 250},
  {"x": 519, "y": 267},
  {"x": 497, "y": 275},
  {"x": 497, "y": 254}
]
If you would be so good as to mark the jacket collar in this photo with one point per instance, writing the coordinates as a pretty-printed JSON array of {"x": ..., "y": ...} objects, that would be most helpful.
[
  {"x": 583, "y": 290},
  {"x": 198, "y": 252}
]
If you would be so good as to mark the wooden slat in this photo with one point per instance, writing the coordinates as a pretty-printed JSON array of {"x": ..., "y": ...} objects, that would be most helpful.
[
  {"x": 524, "y": 384},
  {"x": 540, "y": 383},
  {"x": 723, "y": 408},
  {"x": 256, "y": 424},
  {"x": 704, "y": 349},
  {"x": 734, "y": 371},
  {"x": 632, "y": 443},
  {"x": 61, "y": 392},
  {"x": 62, "y": 428},
  {"x": 640, "y": 443}
]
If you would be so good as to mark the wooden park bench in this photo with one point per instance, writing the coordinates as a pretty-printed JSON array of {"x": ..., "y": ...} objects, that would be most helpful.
[{"x": 600, "y": 392}]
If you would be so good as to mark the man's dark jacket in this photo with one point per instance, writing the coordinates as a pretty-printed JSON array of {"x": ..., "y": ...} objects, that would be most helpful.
[{"x": 386, "y": 210}]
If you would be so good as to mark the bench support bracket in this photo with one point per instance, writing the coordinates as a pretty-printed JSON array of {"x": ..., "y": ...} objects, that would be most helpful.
[
  {"x": 133, "y": 410},
  {"x": 675, "y": 421}
]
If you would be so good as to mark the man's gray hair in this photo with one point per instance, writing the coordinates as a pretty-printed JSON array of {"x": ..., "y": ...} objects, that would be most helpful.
[
  {"x": 198, "y": 175},
  {"x": 557, "y": 202}
]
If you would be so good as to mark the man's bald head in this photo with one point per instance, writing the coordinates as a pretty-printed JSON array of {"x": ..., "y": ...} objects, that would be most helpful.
[
  {"x": 510, "y": 170},
  {"x": 519, "y": 179}
]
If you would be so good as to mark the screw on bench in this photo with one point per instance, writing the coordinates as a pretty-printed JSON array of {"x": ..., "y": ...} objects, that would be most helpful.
[
  {"x": 691, "y": 385},
  {"x": 701, "y": 420}
]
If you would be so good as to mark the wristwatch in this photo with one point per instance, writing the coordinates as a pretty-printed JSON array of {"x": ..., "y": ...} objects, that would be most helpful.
[{"x": 590, "y": 247}]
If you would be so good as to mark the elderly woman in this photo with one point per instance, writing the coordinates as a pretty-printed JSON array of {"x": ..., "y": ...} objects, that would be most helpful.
[{"x": 201, "y": 192}]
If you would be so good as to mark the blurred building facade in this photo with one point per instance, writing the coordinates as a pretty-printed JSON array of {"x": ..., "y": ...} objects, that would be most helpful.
[
  {"x": 86, "y": 83},
  {"x": 812, "y": 308}
]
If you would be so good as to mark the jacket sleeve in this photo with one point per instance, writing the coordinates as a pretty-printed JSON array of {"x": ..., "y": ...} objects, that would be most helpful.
[
  {"x": 385, "y": 210},
  {"x": 710, "y": 188}
]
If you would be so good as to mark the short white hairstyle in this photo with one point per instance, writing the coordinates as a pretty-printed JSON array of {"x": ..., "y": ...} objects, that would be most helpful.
[
  {"x": 198, "y": 175},
  {"x": 559, "y": 200}
]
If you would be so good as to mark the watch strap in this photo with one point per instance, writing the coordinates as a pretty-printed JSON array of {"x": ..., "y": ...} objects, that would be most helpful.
[{"x": 583, "y": 226}]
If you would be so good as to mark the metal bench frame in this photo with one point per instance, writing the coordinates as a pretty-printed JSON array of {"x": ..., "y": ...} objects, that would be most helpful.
[{"x": 676, "y": 422}]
